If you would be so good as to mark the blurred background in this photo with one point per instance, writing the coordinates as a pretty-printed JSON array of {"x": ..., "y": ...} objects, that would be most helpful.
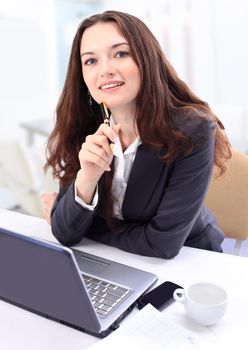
[{"x": 205, "y": 40}]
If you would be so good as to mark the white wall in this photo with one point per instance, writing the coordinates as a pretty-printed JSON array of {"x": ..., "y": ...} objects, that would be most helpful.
[
  {"x": 28, "y": 84},
  {"x": 205, "y": 40},
  {"x": 220, "y": 50}
]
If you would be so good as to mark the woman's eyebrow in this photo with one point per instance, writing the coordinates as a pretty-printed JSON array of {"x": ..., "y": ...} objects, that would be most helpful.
[
  {"x": 87, "y": 53},
  {"x": 119, "y": 44},
  {"x": 112, "y": 47}
]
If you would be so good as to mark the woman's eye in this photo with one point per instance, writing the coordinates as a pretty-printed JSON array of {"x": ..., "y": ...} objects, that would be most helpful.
[
  {"x": 90, "y": 61},
  {"x": 122, "y": 54}
]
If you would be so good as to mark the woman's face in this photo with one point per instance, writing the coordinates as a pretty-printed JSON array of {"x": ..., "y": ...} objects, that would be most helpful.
[{"x": 108, "y": 68}]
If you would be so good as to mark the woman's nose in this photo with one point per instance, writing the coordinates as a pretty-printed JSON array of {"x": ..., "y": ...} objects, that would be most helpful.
[{"x": 107, "y": 68}]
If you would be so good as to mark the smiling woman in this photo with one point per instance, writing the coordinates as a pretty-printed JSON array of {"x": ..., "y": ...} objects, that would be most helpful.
[
  {"x": 109, "y": 70},
  {"x": 145, "y": 195}
]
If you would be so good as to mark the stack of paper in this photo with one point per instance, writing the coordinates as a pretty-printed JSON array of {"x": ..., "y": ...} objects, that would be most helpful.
[{"x": 151, "y": 329}]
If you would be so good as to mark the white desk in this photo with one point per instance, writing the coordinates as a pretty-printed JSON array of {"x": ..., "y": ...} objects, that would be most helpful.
[{"x": 21, "y": 329}]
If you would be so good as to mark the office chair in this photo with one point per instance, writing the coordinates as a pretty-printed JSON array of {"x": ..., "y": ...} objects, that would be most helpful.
[
  {"x": 227, "y": 198},
  {"x": 23, "y": 175}
]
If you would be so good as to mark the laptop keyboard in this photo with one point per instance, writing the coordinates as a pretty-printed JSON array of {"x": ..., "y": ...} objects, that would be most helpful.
[{"x": 105, "y": 296}]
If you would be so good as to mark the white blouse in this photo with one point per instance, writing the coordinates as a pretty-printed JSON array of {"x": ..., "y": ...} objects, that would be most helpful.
[{"x": 123, "y": 165}]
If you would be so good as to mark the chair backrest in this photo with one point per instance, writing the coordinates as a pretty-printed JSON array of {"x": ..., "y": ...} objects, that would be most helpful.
[
  {"x": 227, "y": 197},
  {"x": 23, "y": 175}
]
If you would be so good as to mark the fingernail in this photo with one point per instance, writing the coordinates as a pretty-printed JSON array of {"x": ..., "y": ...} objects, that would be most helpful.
[{"x": 112, "y": 146}]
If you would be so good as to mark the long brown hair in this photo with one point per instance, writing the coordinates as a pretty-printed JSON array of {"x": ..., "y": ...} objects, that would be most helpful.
[{"x": 162, "y": 96}]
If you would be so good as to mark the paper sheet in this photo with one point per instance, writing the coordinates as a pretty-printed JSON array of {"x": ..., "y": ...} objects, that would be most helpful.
[{"x": 151, "y": 329}]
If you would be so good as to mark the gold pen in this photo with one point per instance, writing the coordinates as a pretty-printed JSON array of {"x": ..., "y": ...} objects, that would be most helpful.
[
  {"x": 106, "y": 119},
  {"x": 105, "y": 113}
]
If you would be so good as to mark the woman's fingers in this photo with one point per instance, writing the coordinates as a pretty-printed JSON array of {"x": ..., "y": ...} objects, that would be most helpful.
[
  {"x": 94, "y": 154},
  {"x": 97, "y": 147},
  {"x": 110, "y": 133},
  {"x": 96, "y": 150},
  {"x": 48, "y": 200},
  {"x": 98, "y": 140}
]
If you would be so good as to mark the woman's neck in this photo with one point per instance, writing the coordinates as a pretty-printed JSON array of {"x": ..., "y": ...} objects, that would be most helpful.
[{"x": 128, "y": 130}]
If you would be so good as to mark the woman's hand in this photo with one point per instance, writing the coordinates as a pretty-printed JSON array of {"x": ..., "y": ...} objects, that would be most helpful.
[
  {"x": 95, "y": 158},
  {"x": 48, "y": 200}
]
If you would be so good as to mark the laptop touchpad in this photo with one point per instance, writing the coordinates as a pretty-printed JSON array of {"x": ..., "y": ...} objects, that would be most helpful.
[{"x": 90, "y": 264}]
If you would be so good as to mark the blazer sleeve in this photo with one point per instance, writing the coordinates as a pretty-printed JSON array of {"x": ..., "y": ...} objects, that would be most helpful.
[
  {"x": 70, "y": 221},
  {"x": 166, "y": 232}
]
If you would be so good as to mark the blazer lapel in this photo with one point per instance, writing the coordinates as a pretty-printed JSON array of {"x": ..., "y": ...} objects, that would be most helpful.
[{"x": 146, "y": 171}]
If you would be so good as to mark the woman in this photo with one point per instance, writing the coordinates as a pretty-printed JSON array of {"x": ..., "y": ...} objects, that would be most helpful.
[{"x": 144, "y": 195}]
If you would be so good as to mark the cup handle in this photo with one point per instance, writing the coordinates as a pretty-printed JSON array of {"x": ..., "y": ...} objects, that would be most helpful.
[{"x": 179, "y": 295}]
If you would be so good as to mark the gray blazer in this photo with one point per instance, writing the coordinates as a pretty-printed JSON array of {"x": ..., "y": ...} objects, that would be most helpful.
[{"x": 163, "y": 208}]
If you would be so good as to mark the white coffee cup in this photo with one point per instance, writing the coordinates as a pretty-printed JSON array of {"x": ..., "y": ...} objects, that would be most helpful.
[{"x": 205, "y": 303}]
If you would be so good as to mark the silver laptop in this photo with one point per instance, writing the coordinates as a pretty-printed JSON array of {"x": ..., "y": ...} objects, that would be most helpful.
[{"x": 77, "y": 289}]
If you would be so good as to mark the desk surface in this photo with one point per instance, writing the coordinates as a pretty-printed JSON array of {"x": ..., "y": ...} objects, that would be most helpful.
[{"x": 21, "y": 329}]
